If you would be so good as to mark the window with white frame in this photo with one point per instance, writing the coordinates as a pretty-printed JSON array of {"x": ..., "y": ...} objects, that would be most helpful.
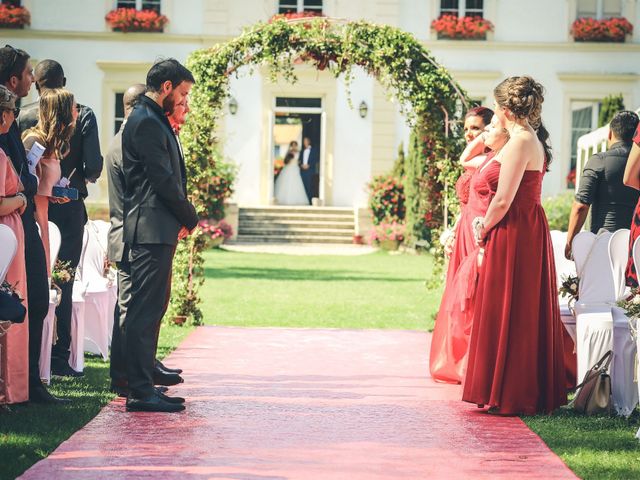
[
  {"x": 462, "y": 8},
  {"x": 119, "y": 109},
  {"x": 140, "y": 4},
  {"x": 584, "y": 119},
  {"x": 13, "y": 3},
  {"x": 295, "y": 6},
  {"x": 599, "y": 9}
]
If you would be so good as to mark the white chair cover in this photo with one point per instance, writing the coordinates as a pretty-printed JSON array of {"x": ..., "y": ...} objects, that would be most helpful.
[
  {"x": 594, "y": 322},
  {"x": 624, "y": 389},
  {"x": 564, "y": 268},
  {"x": 98, "y": 318},
  {"x": 49, "y": 323},
  {"x": 580, "y": 247},
  {"x": 8, "y": 251},
  {"x": 76, "y": 357},
  {"x": 55, "y": 240}
]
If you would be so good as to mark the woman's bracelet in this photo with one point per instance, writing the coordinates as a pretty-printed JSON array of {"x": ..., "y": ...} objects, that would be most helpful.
[{"x": 23, "y": 197}]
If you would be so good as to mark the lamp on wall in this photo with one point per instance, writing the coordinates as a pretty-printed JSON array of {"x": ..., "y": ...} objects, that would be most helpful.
[
  {"x": 233, "y": 106},
  {"x": 363, "y": 109}
]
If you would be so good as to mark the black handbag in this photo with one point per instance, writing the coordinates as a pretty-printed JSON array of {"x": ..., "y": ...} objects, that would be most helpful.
[{"x": 11, "y": 307}]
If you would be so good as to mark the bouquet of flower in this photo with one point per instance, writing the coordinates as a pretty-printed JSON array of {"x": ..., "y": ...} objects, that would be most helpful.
[
  {"x": 132, "y": 20},
  {"x": 278, "y": 165},
  {"x": 462, "y": 28},
  {"x": 13, "y": 17},
  {"x": 62, "y": 273},
  {"x": 631, "y": 305},
  {"x": 9, "y": 289},
  {"x": 569, "y": 287},
  {"x": 605, "y": 30}
]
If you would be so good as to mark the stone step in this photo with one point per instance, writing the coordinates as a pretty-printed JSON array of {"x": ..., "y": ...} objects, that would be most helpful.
[
  {"x": 292, "y": 239},
  {"x": 305, "y": 210},
  {"x": 312, "y": 232},
  {"x": 296, "y": 224},
  {"x": 268, "y": 217}
]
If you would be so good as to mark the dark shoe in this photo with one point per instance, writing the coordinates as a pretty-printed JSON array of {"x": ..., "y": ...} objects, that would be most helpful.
[
  {"x": 167, "y": 379},
  {"x": 162, "y": 389},
  {"x": 162, "y": 366},
  {"x": 64, "y": 370},
  {"x": 152, "y": 403},
  {"x": 169, "y": 399},
  {"x": 39, "y": 394}
]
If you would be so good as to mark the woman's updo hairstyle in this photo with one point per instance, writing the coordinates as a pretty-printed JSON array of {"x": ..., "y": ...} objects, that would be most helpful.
[
  {"x": 483, "y": 112},
  {"x": 523, "y": 96}
]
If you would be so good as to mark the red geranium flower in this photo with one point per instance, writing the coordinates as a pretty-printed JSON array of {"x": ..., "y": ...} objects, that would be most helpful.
[{"x": 132, "y": 20}]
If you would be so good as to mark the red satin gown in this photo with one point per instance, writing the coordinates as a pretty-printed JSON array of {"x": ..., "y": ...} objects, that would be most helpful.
[
  {"x": 516, "y": 353},
  {"x": 450, "y": 339}
]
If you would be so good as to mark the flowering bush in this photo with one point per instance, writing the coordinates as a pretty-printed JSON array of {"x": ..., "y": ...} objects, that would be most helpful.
[
  {"x": 393, "y": 231},
  {"x": 386, "y": 199},
  {"x": 132, "y": 20},
  {"x": 218, "y": 189},
  {"x": 462, "y": 28},
  {"x": 571, "y": 178},
  {"x": 215, "y": 231},
  {"x": 605, "y": 30},
  {"x": 13, "y": 17}
]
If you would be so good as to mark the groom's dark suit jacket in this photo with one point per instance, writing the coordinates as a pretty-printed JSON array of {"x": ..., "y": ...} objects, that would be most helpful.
[{"x": 155, "y": 196}]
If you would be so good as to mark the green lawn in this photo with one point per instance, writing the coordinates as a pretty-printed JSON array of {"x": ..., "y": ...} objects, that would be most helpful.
[{"x": 372, "y": 291}]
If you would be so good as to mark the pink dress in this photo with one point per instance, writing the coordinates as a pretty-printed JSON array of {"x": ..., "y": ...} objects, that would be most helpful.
[
  {"x": 450, "y": 339},
  {"x": 14, "y": 344}
]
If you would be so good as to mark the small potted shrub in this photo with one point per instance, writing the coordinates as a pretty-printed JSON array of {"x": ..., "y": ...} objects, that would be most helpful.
[
  {"x": 388, "y": 235},
  {"x": 14, "y": 17},
  {"x": 461, "y": 28},
  {"x": 605, "y": 30},
  {"x": 132, "y": 20}
]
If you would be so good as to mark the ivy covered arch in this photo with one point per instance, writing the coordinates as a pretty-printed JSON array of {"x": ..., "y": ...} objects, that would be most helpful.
[{"x": 426, "y": 93}]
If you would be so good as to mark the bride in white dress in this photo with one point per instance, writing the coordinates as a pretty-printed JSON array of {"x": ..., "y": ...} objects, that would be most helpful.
[{"x": 289, "y": 188}]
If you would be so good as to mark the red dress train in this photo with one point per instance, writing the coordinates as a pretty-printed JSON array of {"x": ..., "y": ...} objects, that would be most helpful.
[{"x": 516, "y": 353}]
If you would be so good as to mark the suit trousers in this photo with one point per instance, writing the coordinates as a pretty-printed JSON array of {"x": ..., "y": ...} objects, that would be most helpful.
[
  {"x": 118, "y": 366},
  {"x": 70, "y": 218},
  {"x": 37, "y": 290},
  {"x": 150, "y": 280}
]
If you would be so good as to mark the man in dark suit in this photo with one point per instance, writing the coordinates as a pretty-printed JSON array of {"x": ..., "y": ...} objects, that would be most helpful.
[
  {"x": 117, "y": 253},
  {"x": 157, "y": 214},
  {"x": 17, "y": 75},
  {"x": 84, "y": 164},
  {"x": 310, "y": 167}
]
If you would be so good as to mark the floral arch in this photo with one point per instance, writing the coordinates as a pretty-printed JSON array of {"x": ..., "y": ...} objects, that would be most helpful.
[{"x": 426, "y": 93}]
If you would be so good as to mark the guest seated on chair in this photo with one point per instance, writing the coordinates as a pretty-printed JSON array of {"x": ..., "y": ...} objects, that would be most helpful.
[{"x": 601, "y": 184}]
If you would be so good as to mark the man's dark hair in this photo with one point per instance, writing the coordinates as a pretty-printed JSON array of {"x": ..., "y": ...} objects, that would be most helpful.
[
  {"x": 49, "y": 74},
  {"x": 12, "y": 63},
  {"x": 623, "y": 125},
  {"x": 169, "y": 69}
]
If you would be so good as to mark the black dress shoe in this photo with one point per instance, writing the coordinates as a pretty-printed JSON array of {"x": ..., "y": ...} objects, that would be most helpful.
[
  {"x": 169, "y": 399},
  {"x": 121, "y": 390},
  {"x": 64, "y": 370},
  {"x": 152, "y": 403},
  {"x": 39, "y": 394},
  {"x": 162, "y": 389},
  {"x": 167, "y": 379},
  {"x": 162, "y": 366}
]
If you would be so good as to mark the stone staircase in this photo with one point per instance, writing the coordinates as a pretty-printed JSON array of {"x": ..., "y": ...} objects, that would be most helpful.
[{"x": 296, "y": 224}]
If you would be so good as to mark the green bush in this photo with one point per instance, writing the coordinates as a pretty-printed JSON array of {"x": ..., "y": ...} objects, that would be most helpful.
[
  {"x": 611, "y": 105},
  {"x": 558, "y": 209}
]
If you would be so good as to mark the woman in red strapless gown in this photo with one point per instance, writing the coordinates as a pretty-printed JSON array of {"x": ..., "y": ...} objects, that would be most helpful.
[
  {"x": 516, "y": 354},
  {"x": 450, "y": 338}
]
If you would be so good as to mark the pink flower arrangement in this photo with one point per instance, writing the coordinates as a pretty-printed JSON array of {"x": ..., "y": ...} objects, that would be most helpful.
[
  {"x": 132, "y": 20},
  {"x": 462, "y": 28},
  {"x": 13, "y": 17},
  {"x": 393, "y": 231},
  {"x": 215, "y": 232},
  {"x": 295, "y": 15},
  {"x": 605, "y": 30}
]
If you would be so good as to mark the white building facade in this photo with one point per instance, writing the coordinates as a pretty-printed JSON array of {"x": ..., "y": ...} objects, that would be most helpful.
[{"x": 360, "y": 138}]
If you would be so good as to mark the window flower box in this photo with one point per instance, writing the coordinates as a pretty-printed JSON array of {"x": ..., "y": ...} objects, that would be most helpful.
[
  {"x": 132, "y": 20},
  {"x": 605, "y": 30},
  {"x": 462, "y": 28},
  {"x": 295, "y": 15},
  {"x": 14, "y": 17}
]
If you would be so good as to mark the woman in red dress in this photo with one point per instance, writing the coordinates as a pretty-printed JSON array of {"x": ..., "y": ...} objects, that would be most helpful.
[
  {"x": 516, "y": 354},
  {"x": 450, "y": 339},
  {"x": 632, "y": 179},
  {"x": 14, "y": 338}
]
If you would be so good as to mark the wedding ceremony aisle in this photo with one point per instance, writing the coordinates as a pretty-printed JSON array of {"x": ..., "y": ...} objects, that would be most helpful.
[{"x": 283, "y": 403}]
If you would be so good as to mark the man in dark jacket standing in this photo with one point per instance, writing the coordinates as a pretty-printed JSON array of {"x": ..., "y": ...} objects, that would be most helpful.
[
  {"x": 83, "y": 164},
  {"x": 17, "y": 75},
  {"x": 601, "y": 184},
  {"x": 157, "y": 214}
]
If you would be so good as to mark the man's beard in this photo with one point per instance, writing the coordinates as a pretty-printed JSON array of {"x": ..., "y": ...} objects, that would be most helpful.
[{"x": 169, "y": 104}]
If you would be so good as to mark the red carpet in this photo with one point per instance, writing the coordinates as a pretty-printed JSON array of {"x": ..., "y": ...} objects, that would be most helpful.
[{"x": 304, "y": 404}]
